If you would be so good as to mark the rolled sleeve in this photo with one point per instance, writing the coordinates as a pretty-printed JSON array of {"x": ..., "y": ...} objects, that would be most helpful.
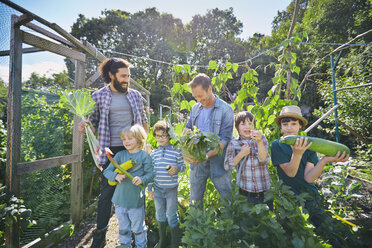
[
  {"x": 268, "y": 158},
  {"x": 109, "y": 173},
  {"x": 142, "y": 110},
  {"x": 94, "y": 118},
  {"x": 189, "y": 124},
  {"x": 227, "y": 126},
  {"x": 180, "y": 162},
  {"x": 229, "y": 158}
]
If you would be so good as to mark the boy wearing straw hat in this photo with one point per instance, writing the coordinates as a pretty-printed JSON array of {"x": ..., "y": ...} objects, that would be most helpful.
[{"x": 299, "y": 167}]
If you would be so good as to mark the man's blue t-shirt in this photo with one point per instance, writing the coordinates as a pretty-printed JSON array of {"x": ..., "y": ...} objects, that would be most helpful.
[
  {"x": 204, "y": 120},
  {"x": 282, "y": 153}
]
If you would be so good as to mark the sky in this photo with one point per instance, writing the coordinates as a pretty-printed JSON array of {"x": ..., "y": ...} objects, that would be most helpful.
[{"x": 256, "y": 16}]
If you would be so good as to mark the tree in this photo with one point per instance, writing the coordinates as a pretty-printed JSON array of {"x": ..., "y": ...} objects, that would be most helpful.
[
  {"x": 162, "y": 37},
  {"x": 58, "y": 81}
]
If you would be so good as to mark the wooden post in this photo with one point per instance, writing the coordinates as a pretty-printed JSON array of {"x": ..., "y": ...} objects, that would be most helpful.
[
  {"x": 14, "y": 124},
  {"x": 77, "y": 148}
]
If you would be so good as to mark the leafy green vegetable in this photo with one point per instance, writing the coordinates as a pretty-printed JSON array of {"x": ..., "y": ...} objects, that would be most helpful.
[
  {"x": 197, "y": 143},
  {"x": 80, "y": 103}
]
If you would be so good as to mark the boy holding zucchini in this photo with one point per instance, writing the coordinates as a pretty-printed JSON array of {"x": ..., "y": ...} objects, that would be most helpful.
[
  {"x": 299, "y": 167},
  {"x": 129, "y": 196},
  {"x": 167, "y": 161}
]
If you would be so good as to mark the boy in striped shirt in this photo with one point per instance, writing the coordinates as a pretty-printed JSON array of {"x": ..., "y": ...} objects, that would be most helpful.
[{"x": 167, "y": 163}]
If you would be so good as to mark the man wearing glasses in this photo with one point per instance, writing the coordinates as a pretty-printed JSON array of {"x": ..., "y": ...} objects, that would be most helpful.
[{"x": 117, "y": 107}]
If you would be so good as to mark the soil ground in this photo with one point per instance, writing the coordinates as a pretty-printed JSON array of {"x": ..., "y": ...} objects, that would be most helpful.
[{"x": 82, "y": 237}]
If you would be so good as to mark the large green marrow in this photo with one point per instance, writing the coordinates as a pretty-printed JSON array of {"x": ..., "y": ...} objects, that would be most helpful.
[{"x": 326, "y": 147}]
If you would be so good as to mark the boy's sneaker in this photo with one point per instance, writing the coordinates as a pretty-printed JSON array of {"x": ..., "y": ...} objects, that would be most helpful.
[{"x": 99, "y": 239}]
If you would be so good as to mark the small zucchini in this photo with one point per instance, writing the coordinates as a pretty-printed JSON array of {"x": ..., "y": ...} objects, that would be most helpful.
[
  {"x": 323, "y": 146},
  {"x": 168, "y": 167}
]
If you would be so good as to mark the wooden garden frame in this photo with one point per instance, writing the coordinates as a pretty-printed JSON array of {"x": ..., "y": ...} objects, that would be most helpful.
[{"x": 69, "y": 47}]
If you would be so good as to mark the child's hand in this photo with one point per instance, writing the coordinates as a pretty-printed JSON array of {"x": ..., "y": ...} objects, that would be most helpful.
[
  {"x": 340, "y": 157},
  {"x": 137, "y": 181},
  {"x": 173, "y": 169},
  {"x": 256, "y": 135},
  {"x": 300, "y": 146},
  {"x": 246, "y": 149},
  {"x": 120, "y": 177},
  {"x": 151, "y": 195}
]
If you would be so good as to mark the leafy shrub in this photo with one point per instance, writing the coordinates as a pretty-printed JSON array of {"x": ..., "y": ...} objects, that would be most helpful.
[
  {"x": 236, "y": 223},
  {"x": 13, "y": 210}
]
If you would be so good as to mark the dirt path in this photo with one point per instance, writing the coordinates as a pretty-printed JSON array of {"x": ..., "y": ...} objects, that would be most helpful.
[{"x": 82, "y": 237}]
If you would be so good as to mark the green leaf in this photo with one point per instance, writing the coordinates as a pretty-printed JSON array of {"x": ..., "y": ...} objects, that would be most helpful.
[
  {"x": 186, "y": 88},
  {"x": 176, "y": 87},
  {"x": 271, "y": 119},
  {"x": 235, "y": 67},
  {"x": 184, "y": 105},
  {"x": 212, "y": 64}
]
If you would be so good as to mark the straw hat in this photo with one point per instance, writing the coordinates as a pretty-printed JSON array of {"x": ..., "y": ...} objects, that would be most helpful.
[{"x": 291, "y": 111}]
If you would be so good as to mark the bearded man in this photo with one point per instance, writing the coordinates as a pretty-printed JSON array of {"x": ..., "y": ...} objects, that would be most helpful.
[{"x": 117, "y": 107}]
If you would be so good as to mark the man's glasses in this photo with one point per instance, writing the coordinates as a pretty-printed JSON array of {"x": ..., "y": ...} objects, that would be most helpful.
[{"x": 115, "y": 59}]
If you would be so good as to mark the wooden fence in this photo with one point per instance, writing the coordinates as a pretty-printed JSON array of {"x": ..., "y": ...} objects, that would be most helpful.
[{"x": 68, "y": 46}]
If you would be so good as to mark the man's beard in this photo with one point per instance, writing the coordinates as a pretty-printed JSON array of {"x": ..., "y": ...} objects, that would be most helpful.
[{"x": 119, "y": 88}]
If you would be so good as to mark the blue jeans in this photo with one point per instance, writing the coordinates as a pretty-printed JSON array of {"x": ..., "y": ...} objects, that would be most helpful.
[
  {"x": 105, "y": 196},
  {"x": 132, "y": 219},
  {"x": 198, "y": 180},
  {"x": 166, "y": 205}
]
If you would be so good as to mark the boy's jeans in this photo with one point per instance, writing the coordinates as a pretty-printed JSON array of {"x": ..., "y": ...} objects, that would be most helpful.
[
  {"x": 131, "y": 219},
  {"x": 166, "y": 205},
  {"x": 198, "y": 180}
]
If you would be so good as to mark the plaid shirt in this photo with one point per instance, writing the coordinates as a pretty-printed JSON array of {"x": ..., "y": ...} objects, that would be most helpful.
[
  {"x": 252, "y": 175},
  {"x": 100, "y": 117}
]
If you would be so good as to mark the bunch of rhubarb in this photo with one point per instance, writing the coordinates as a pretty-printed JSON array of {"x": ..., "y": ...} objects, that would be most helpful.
[{"x": 80, "y": 103}]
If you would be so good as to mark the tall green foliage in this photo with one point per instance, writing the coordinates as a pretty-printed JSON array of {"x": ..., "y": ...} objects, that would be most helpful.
[
  {"x": 236, "y": 223},
  {"x": 46, "y": 128}
]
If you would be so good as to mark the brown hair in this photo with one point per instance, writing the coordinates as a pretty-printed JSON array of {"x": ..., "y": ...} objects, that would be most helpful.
[
  {"x": 241, "y": 117},
  {"x": 111, "y": 65},
  {"x": 201, "y": 79},
  {"x": 137, "y": 131},
  {"x": 161, "y": 126},
  {"x": 290, "y": 118}
]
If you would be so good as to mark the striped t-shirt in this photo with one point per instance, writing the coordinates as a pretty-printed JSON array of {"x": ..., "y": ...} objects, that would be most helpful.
[{"x": 161, "y": 157}]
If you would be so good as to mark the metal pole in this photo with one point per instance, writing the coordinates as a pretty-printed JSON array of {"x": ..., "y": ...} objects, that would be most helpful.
[
  {"x": 161, "y": 112},
  {"x": 320, "y": 119},
  {"x": 334, "y": 97}
]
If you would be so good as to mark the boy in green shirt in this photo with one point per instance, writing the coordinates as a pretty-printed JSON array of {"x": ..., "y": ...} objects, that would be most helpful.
[
  {"x": 299, "y": 167},
  {"x": 128, "y": 198}
]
